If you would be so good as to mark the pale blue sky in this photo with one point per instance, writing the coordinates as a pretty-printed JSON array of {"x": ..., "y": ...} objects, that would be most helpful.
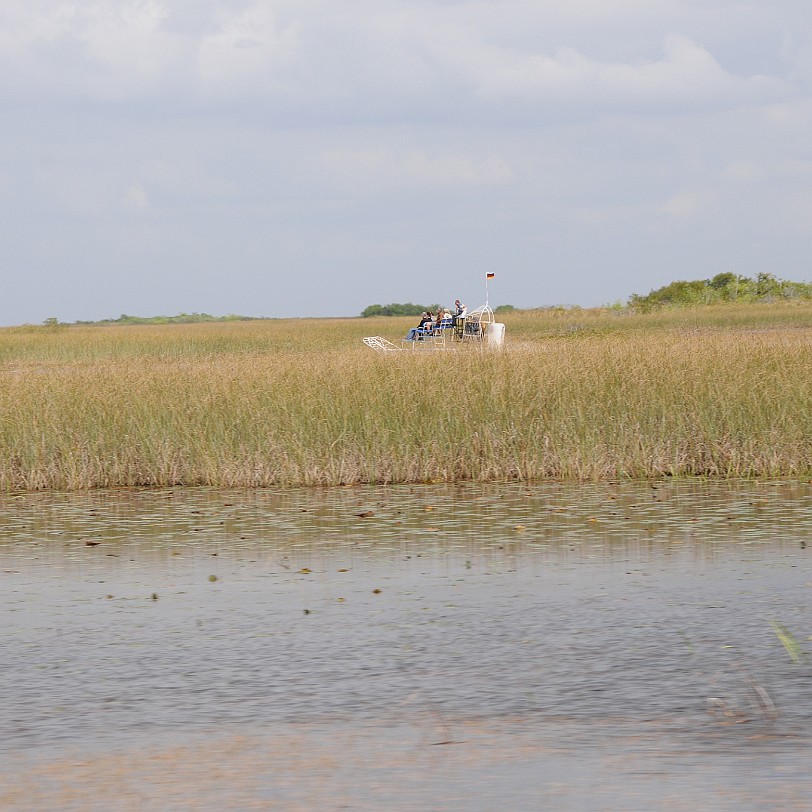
[{"x": 307, "y": 157}]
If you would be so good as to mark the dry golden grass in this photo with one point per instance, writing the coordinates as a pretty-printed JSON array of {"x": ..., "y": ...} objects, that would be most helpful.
[{"x": 590, "y": 395}]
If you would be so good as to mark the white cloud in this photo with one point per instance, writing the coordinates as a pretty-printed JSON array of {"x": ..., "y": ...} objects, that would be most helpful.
[
  {"x": 790, "y": 115},
  {"x": 318, "y": 58},
  {"x": 796, "y": 168},
  {"x": 686, "y": 74},
  {"x": 97, "y": 50},
  {"x": 135, "y": 199},
  {"x": 800, "y": 217},
  {"x": 72, "y": 188},
  {"x": 683, "y": 205},
  {"x": 376, "y": 169},
  {"x": 624, "y": 143},
  {"x": 252, "y": 53},
  {"x": 745, "y": 171}
]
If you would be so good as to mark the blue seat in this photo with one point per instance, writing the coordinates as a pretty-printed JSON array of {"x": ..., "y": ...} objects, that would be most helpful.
[{"x": 436, "y": 332}]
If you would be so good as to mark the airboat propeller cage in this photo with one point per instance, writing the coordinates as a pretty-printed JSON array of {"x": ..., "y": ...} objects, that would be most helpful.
[{"x": 482, "y": 316}]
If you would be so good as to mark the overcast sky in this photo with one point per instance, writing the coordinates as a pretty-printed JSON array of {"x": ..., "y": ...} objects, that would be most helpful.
[{"x": 311, "y": 157}]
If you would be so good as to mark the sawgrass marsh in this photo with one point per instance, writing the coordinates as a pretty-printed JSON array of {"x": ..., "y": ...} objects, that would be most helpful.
[{"x": 575, "y": 395}]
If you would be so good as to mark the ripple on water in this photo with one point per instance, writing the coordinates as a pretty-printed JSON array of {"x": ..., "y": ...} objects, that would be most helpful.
[{"x": 613, "y": 608}]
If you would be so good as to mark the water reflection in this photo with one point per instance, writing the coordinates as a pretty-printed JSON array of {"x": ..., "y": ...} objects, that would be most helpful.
[
  {"x": 435, "y": 519},
  {"x": 590, "y": 612}
]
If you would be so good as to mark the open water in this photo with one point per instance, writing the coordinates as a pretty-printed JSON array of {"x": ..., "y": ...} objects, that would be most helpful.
[{"x": 468, "y": 647}]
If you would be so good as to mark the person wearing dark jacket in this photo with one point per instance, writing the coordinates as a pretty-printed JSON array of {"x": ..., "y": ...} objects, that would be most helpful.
[{"x": 425, "y": 318}]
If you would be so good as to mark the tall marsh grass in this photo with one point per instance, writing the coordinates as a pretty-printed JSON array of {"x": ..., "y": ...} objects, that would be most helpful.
[{"x": 590, "y": 396}]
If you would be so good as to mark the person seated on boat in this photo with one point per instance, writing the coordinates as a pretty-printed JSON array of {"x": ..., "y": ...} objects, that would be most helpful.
[
  {"x": 444, "y": 318},
  {"x": 425, "y": 321},
  {"x": 437, "y": 319}
]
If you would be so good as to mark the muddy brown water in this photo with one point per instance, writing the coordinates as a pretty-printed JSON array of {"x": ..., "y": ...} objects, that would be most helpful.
[{"x": 471, "y": 647}]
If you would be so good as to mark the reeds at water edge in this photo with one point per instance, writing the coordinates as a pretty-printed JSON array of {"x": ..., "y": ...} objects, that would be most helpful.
[{"x": 303, "y": 402}]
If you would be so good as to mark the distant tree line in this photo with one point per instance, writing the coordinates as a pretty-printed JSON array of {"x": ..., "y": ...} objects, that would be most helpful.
[
  {"x": 396, "y": 309},
  {"x": 409, "y": 309},
  {"x": 724, "y": 287},
  {"x": 181, "y": 318}
]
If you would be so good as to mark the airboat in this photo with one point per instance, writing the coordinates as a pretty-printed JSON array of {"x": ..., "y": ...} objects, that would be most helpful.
[{"x": 476, "y": 328}]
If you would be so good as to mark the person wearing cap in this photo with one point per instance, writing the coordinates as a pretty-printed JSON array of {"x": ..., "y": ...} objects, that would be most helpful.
[{"x": 425, "y": 319}]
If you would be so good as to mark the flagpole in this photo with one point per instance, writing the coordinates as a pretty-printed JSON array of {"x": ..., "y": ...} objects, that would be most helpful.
[{"x": 487, "y": 277}]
